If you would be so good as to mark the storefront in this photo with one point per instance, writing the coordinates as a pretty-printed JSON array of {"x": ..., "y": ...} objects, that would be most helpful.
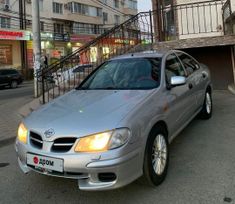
[
  {"x": 54, "y": 46},
  {"x": 10, "y": 52},
  {"x": 78, "y": 41}
]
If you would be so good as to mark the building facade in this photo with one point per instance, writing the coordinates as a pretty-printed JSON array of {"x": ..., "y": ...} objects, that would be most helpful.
[{"x": 65, "y": 26}]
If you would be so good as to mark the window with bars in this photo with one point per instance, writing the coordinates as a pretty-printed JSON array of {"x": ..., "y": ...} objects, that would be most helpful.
[
  {"x": 5, "y": 22},
  {"x": 41, "y": 25},
  {"x": 57, "y": 8},
  {"x": 105, "y": 17},
  {"x": 116, "y": 3},
  {"x": 84, "y": 28},
  {"x": 132, "y": 4},
  {"x": 58, "y": 28},
  {"x": 116, "y": 19},
  {"x": 85, "y": 9}
]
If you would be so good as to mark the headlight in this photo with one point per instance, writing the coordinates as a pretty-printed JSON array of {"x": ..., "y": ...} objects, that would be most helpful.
[
  {"x": 22, "y": 133},
  {"x": 103, "y": 141}
]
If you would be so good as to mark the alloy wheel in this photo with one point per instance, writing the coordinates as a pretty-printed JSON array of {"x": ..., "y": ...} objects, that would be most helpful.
[{"x": 159, "y": 154}]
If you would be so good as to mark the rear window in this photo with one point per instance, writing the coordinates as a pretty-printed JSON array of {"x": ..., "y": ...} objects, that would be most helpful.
[{"x": 10, "y": 71}]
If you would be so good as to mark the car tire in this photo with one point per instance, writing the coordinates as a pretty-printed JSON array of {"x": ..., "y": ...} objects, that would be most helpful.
[
  {"x": 156, "y": 157},
  {"x": 207, "y": 107},
  {"x": 14, "y": 84}
]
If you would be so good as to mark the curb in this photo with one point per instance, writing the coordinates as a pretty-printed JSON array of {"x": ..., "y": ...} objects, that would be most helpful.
[{"x": 7, "y": 141}]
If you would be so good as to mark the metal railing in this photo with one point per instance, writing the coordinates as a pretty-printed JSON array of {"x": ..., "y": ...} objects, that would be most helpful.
[
  {"x": 192, "y": 20},
  {"x": 227, "y": 12},
  {"x": 67, "y": 73}
]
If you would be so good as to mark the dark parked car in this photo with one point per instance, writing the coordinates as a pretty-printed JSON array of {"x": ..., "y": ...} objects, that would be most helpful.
[{"x": 10, "y": 77}]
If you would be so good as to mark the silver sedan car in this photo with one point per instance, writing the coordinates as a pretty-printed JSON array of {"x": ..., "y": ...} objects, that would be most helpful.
[{"x": 116, "y": 126}]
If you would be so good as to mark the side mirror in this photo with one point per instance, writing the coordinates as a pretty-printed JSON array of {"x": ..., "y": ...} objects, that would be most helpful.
[{"x": 178, "y": 80}]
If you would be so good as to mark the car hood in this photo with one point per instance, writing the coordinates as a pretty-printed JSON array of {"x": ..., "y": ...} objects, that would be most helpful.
[{"x": 79, "y": 112}]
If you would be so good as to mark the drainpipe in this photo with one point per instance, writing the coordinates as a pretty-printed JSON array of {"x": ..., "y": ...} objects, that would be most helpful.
[{"x": 231, "y": 87}]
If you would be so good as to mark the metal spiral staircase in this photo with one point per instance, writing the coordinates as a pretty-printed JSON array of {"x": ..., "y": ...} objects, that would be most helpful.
[{"x": 65, "y": 74}]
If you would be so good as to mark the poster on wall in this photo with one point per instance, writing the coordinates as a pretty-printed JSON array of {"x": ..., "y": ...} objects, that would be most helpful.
[
  {"x": 30, "y": 54},
  {"x": 93, "y": 55},
  {"x": 58, "y": 52},
  {"x": 5, "y": 54}
]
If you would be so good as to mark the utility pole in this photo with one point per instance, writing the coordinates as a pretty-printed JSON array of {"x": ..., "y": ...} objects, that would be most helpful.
[
  {"x": 23, "y": 48},
  {"x": 36, "y": 42}
]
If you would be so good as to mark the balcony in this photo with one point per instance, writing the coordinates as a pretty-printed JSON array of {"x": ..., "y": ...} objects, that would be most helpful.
[{"x": 228, "y": 11}]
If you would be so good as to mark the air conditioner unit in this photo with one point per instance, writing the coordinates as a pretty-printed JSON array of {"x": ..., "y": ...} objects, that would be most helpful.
[
  {"x": 6, "y": 7},
  {"x": 28, "y": 22}
]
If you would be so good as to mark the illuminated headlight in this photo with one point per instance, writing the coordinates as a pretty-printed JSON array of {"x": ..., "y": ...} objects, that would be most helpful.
[
  {"x": 103, "y": 141},
  {"x": 22, "y": 133}
]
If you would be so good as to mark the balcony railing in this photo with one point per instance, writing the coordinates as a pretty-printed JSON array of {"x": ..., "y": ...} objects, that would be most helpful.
[
  {"x": 227, "y": 12},
  {"x": 199, "y": 19}
]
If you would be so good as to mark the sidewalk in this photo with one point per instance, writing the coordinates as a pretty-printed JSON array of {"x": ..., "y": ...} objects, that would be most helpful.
[{"x": 10, "y": 102}]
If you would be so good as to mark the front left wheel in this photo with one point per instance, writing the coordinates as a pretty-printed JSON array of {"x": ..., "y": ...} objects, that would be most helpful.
[
  {"x": 156, "y": 157},
  {"x": 207, "y": 107}
]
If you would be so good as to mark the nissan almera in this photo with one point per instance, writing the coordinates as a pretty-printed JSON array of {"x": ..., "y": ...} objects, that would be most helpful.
[{"x": 116, "y": 126}]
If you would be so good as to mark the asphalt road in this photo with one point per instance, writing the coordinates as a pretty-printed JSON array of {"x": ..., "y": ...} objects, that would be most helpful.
[
  {"x": 201, "y": 170},
  {"x": 24, "y": 90}
]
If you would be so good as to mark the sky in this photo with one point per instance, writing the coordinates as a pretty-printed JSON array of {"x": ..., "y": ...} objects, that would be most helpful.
[{"x": 144, "y": 5}]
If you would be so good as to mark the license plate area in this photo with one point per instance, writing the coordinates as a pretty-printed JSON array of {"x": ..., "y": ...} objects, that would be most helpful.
[{"x": 41, "y": 162}]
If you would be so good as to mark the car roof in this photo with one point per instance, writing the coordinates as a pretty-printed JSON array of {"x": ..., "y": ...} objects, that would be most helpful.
[
  {"x": 7, "y": 69},
  {"x": 145, "y": 54}
]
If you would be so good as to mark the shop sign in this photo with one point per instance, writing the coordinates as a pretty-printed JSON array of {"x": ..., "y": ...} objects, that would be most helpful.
[
  {"x": 81, "y": 38},
  {"x": 66, "y": 37},
  {"x": 120, "y": 41},
  {"x": 46, "y": 36},
  {"x": 15, "y": 35},
  {"x": 61, "y": 37}
]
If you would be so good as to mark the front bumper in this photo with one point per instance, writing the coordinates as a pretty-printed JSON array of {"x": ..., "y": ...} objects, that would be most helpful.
[{"x": 90, "y": 170}]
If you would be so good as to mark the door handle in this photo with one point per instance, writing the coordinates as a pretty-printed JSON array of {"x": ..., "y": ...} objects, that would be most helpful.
[
  {"x": 190, "y": 86},
  {"x": 203, "y": 75}
]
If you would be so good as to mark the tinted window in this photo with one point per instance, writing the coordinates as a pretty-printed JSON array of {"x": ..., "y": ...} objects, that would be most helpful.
[
  {"x": 12, "y": 72},
  {"x": 173, "y": 67},
  {"x": 189, "y": 63},
  {"x": 5, "y": 72},
  {"x": 126, "y": 74}
]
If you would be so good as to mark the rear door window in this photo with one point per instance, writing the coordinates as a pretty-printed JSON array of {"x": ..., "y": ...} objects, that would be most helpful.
[
  {"x": 13, "y": 72},
  {"x": 189, "y": 63},
  {"x": 5, "y": 72}
]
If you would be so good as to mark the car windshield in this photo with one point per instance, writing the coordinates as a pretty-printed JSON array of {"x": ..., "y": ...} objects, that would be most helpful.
[{"x": 138, "y": 73}]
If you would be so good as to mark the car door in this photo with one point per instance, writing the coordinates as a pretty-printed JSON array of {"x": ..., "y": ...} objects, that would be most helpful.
[
  {"x": 179, "y": 97},
  {"x": 194, "y": 77},
  {"x": 3, "y": 77}
]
